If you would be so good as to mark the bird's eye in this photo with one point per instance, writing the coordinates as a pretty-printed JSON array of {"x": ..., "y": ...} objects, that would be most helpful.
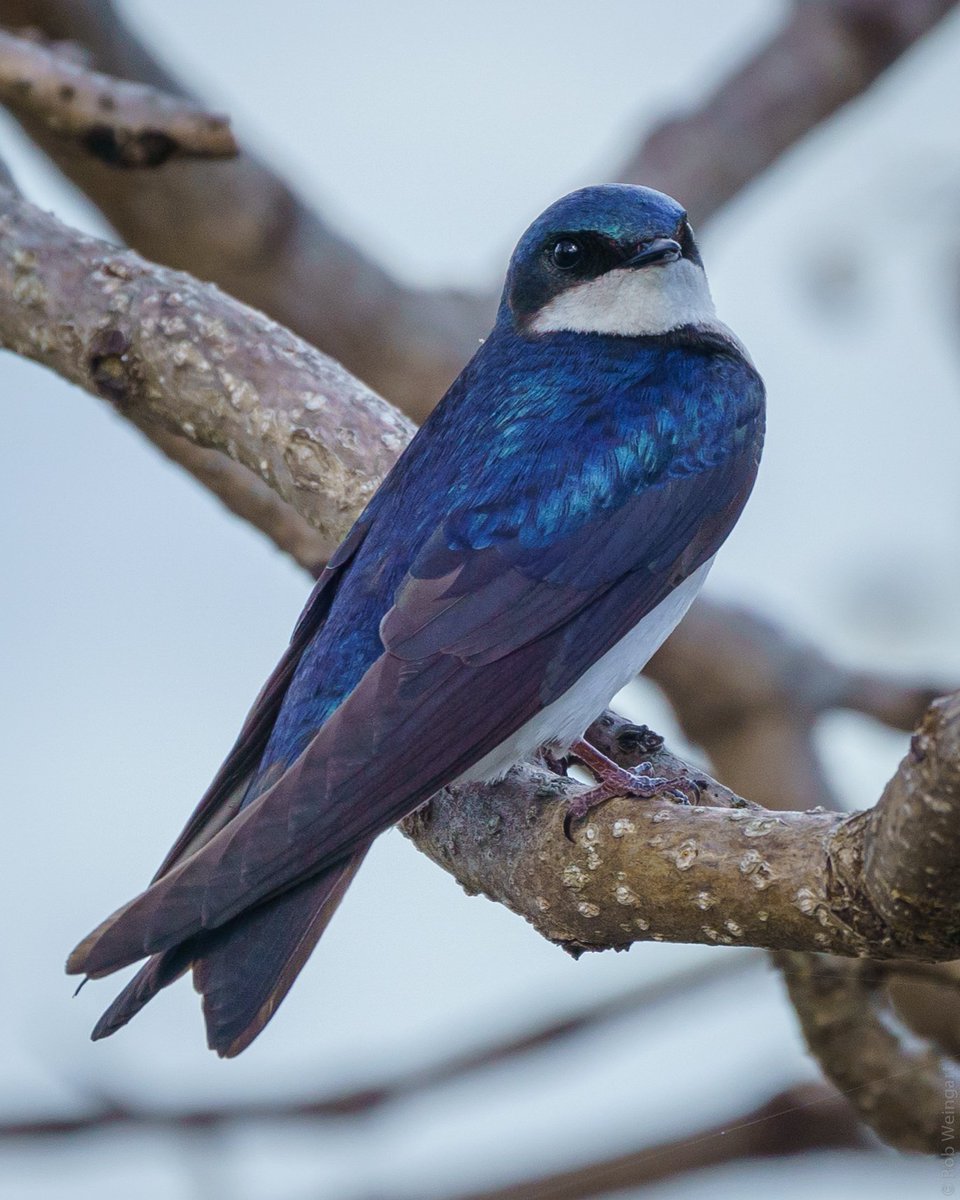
[{"x": 566, "y": 254}]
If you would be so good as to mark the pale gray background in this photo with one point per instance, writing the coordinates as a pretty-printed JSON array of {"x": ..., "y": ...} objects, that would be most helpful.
[{"x": 139, "y": 620}]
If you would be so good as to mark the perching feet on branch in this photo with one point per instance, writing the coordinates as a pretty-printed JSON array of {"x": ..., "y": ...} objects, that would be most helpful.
[{"x": 613, "y": 780}]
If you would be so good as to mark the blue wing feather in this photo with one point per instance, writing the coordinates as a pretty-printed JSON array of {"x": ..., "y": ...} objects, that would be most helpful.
[{"x": 564, "y": 486}]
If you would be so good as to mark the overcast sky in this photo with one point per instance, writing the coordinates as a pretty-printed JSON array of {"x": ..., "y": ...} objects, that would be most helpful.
[{"x": 139, "y": 620}]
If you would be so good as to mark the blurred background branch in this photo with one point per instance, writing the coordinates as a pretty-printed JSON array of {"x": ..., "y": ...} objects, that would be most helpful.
[
  {"x": 799, "y": 1119},
  {"x": 827, "y": 53},
  {"x": 108, "y": 1111}
]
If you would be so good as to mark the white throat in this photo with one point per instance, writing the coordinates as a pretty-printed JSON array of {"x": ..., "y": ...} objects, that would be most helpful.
[{"x": 632, "y": 302}]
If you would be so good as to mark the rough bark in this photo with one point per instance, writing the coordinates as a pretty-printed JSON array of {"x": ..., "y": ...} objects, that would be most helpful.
[
  {"x": 240, "y": 225},
  {"x": 180, "y": 356},
  {"x": 122, "y": 124},
  {"x": 724, "y": 871}
]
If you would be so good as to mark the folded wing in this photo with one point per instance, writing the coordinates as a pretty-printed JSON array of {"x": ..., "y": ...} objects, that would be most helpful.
[{"x": 478, "y": 640}]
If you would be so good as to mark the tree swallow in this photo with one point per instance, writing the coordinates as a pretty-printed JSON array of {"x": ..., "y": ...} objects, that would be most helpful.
[{"x": 540, "y": 537}]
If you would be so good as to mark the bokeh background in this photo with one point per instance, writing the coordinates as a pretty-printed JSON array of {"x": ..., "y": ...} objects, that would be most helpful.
[{"x": 139, "y": 619}]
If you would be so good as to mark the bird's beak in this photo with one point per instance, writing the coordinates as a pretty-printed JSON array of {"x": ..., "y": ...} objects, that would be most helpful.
[{"x": 659, "y": 251}]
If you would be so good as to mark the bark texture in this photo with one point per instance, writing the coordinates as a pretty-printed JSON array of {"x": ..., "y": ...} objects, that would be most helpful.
[
  {"x": 178, "y": 356},
  {"x": 722, "y": 872},
  {"x": 119, "y": 123}
]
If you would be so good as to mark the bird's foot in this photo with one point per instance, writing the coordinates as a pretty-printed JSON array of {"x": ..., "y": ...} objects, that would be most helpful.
[{"x": 614, "y": 780}]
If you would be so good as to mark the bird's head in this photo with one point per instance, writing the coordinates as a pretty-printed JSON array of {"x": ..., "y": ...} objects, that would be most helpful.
[{"x": 614, "y": 259}]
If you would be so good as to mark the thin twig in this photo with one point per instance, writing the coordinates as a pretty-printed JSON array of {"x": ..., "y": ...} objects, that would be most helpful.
[
  {"x": 360, "y": 1101},
  {"x": 799, "y": 1119}
]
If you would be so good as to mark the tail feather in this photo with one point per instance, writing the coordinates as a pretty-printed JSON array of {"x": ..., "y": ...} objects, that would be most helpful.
[
  {"x": 244, "y": 969},
  {"x": 159, "y": 972}
]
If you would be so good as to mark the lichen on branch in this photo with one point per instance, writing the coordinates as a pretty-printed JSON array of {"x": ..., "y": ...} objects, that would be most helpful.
[{"x": 173, "y": 354}]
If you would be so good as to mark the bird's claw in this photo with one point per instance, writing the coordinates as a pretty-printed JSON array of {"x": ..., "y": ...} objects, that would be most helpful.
[{"x": 637, "y": 784}]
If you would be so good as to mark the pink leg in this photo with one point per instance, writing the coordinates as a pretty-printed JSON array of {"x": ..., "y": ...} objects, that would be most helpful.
[{"x": 613, "y": 780}]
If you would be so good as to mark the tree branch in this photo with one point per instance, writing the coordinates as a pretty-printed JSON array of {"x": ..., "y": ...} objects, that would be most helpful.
[
  {"x": 179, "y": 356},
  {"x": 240, "y": 225},
  {"x": 721, "y": 872},
  {"x": 800, "y": 1119},
  {"x": 121, "y": 124},
  {"x": 110, "y": 1111},
  {"x": 901, "y": 1089},
  {"x": 826, "y": 54}
]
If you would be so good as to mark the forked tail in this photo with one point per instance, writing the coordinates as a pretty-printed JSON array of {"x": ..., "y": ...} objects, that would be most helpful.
[{"x": 244, "y": 969}]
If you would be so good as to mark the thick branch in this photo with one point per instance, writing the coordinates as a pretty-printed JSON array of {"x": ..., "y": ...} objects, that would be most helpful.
[
  {"x": 914, "y": 885},
  {"x": 174, "y": 354},
  {"x": 241, "y": 226},
  {"x": 122, "y": 124},
  {"x": 732, "y": 875}
]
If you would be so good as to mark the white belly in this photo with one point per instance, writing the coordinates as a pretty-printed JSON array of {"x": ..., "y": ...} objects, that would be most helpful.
[{"x": 565, "y": 720}]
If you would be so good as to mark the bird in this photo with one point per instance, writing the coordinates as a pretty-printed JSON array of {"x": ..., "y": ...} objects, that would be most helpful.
[{"x": 541, "y": 535}]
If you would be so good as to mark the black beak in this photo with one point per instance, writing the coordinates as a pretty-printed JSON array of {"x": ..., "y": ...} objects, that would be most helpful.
[{"x": 660, "y": 251}]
